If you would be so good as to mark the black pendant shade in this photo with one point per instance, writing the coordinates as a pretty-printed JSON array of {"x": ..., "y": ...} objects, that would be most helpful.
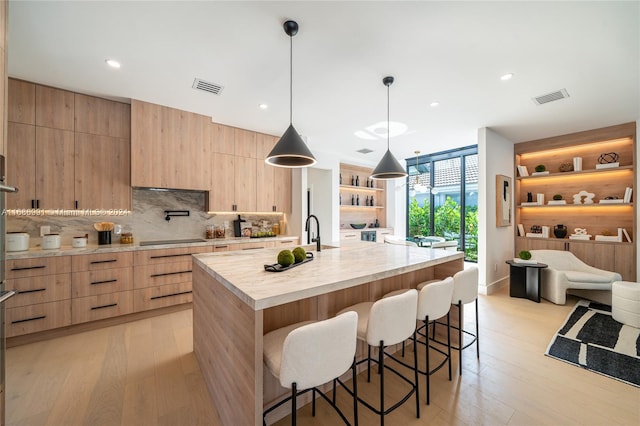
[
  {"x": 290, "y": 151},
  {"x": 388, "y": 167}
]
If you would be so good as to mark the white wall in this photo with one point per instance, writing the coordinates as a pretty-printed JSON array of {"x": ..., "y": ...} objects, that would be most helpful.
[
  {"x": 320, "y": 185},
  {"x": 495, "y": 244},
  {"x": 397, "y": 206}
]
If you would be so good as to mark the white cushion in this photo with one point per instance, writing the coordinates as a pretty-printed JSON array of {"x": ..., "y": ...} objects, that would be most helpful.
[
  {"x": 272, "y": 346},
  {"x": 465, "y": 285},
  {"x": 419, "y": 286},
  {"x": 362, "y": 309},
  {"x": 586, "y": 277},
  {"x": 434, "y": 300}
]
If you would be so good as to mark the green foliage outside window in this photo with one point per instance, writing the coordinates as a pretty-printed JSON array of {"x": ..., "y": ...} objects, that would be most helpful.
[{"x": 446, "y": 223}]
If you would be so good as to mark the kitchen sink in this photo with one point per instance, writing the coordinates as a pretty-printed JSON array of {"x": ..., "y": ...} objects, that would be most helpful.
[{"x": 160, "y": 242}]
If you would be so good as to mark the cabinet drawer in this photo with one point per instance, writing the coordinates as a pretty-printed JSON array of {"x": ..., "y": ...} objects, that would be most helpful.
[
  {"x": 92, "y": 283},
  {"x": 350, "y": 235},
  {"x": 32, "y": 290},
  {"x": 33, "y": 318},
  {"x": 92, "y": 308},
  {"x": 163, "y": 274},
  {"x": 96, "y": 262},
  {"x": 160, "y": 297},
  {"x": 33, "y": 267},
  {"x": 152, "y": 257},
  {"x": 217, "y": 249}
]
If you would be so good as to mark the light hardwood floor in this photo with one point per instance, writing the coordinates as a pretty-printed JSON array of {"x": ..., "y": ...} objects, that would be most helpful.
[{"x": 145, "y": 373}]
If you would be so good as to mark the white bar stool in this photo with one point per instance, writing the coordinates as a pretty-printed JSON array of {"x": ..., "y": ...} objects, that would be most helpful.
[
  {"x": 383, "y": 323},
  {"x": 434, "y": 301},
  {"x": 465, "y": 290},
  {"x": 308, "y": 354}
]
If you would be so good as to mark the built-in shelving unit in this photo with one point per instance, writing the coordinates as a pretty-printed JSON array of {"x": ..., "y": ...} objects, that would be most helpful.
[
  {"x": 360, "y": 212},
  {"x": 596, "y": 218}
]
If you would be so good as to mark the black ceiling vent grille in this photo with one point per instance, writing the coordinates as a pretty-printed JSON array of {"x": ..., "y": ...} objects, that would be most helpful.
[
  {"x": 550, "y": 97},
  {"x": 364, "y": 150},
  {"x": 207, "y": 86}
]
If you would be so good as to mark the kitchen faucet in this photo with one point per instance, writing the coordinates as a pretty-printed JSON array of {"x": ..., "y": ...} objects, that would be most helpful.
[{"x": 306, "y": 228}]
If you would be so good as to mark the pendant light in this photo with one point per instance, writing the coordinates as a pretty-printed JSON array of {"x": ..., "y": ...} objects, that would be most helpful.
[
  {"x": 388, "y": 167},
  {"x": 290, "y": 151}
]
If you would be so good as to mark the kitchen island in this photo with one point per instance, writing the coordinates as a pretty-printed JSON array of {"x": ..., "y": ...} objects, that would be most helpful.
[{"x": 235, "y": 301}]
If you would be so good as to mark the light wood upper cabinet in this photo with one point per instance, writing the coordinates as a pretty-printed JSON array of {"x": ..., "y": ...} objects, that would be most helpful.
[
  {"x": 40, "y": 166},
  {"x": 21, "y": 102},
  {"x": 244, "y": 143},
  {"x": 222, "y": 139},
  {"x": 102, "y": 117},
  {"x": 54, "y": 108},
  {"x": 54, "y": 168},
  {"x": 21, "y": 167},
  {"x": 222, "y": 192},
  {"x": 265, "y": 174},
  {"x": 245, "y": 184},
  {"x": 169, "y": 148},
  {"x": 102, "y": 172},
  {"x": 282, "y": 189}
]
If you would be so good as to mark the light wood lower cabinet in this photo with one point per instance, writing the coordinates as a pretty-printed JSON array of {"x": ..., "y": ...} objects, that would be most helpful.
[
  {"x": 42, "y": 289},
  {"x": 163, "y": 273},
  {"x": 162, "y": 296},
  {"x": 92, "y": 308},
  {"x": 38, "y": 317},
  {"x": 93, "y": 283}
]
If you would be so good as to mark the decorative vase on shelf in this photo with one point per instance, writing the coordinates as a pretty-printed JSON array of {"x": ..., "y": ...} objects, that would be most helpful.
[{"x": 560, "y": 231}]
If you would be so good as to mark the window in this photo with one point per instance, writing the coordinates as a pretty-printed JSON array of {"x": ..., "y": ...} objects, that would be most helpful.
[{"x": 442, "y": 193}]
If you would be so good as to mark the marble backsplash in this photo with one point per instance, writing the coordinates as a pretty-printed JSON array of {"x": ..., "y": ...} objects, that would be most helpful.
[{"x": 146, "y": 221}]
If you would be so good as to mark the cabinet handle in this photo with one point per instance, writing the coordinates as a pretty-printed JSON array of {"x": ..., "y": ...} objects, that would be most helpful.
[
  {"x": 28, "y": 319},
  {"x": 35, "y": 290},
  {"x": 286, "y": 242},
  {"x": 24, "y": 268},
  {"x": 252, "y": 248},
  {"x": 76, "y": 204},
  {"x": 170, "y": 295},
  {"x": 96, "y": 262},
  {"x": 103, "y": 282},
  {"x": 273, "y": 208},
  {"x": 37, "y": 204},
  {"x": 215, "y": 247},
  {"x": 170, "y": 273},
  {"x": 33, "y": 204},
  {"x": 169, "y": 255},
  {"x": 104, "y": 306}
]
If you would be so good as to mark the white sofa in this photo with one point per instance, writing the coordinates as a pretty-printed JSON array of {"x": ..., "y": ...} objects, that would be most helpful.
[
  {"x": 567, "y": 272},
  {"x": 392, "y": 239}
]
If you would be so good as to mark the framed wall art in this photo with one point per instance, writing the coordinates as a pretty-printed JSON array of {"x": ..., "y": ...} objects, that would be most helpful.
[{"x": 504, "y": 195}]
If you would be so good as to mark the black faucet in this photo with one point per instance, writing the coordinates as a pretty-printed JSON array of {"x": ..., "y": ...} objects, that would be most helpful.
[{"x": 306, "y": 228}]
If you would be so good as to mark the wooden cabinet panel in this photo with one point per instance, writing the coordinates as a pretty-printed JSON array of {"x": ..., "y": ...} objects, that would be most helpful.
[
  {"x": 101, "y": 306},
  {"x": 39, "y": 317},
  {"x": 160, "y": 297},
  {"x": 102, "y": 172},
  {"x": 21, "y": 98},
  {"x": 265, "y": 192},
  {"x": 54, "y": 168},
  {"x": 245, "y": 184},
  {"x": 102, "y": 117},
  {"x": 45, "y": 288},
  {"x": 282, "y": 189},
  {"x": 226, "y": 247},
  {"x": 264, "y": 145},
  {"x": 101, "y": 261},
  {"x": 54, "y": 108},
  {"x": 37, "y": 266},
  {"x": 600, "y": 256},
  {"x": 244, "y": 143},
  {"x": 625, "y": 262},
  {"x": 161, "y": 256},
  {"x": 222, "y": 192},
  {"x": 169, "y": 148},
  {"x": 222, "y": 141},
  {"x": 93, "y": 283},
  {"x": 162, "y": 274},
  {"x": 21, "y": 167}
]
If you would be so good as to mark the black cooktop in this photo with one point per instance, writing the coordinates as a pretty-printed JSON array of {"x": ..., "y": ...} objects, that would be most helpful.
[{"x": 160, "y": 242}]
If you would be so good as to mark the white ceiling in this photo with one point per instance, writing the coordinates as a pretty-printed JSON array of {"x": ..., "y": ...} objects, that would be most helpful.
[{"x": 453, "y": 52}]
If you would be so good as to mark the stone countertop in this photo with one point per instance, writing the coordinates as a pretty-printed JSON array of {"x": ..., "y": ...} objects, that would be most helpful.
[
  {"x": 113, "y": 248},
  {"x": 351, "y": 264}
]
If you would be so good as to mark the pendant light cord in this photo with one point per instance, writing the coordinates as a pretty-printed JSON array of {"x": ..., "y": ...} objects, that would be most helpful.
[
  {"x": 388, "y": 122},
  {"x": 291, "y": 80}
]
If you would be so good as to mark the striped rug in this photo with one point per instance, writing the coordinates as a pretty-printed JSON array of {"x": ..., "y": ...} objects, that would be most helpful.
[{"x": 592, "y": 339}]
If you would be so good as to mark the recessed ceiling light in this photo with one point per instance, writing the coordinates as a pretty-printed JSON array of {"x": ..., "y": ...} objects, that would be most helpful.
[
  {"x": 263, "y": 106},
  {"x": 113, "y": 63},
  {"x": 507, "y": 76},
  {"x": 434, "y": 104}
]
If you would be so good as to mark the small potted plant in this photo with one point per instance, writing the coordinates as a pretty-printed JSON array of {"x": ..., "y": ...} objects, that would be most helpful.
[
  {"x": 540, "y": 168},
  {"x": 524, "y": 255},
  {"x": 557, "y": 197}
]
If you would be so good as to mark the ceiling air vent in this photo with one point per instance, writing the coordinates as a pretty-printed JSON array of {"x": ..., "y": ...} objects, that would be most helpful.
[
  {"x": 364, "y": 150},
  {"x": 550, "y": 97},
  {"x": 207, "y": 86}
]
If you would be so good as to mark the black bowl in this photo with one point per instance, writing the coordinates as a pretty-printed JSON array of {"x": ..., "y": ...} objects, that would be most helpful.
[{"x": 358, "y": 225}]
